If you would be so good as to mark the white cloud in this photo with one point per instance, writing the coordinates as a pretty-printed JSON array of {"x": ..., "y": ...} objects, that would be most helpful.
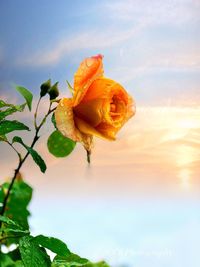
[
  {"x": 180, "y": 59},
  {"x": 86, "y": 40},
  {"x": 138, "y": 15},
  {"x": 155, "y": 11}
]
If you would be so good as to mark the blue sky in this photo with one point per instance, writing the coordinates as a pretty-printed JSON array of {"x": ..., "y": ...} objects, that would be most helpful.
[{"x": 151, "y": 47}]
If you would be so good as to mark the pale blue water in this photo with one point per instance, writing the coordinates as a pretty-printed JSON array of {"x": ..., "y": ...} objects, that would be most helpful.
[
  {"x": 142, "y": 232},
  {"x": 138, "y": 203}
]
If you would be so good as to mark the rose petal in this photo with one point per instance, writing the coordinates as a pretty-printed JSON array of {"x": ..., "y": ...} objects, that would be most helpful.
[
  {"x": 131, "y": 108},
  {"x": 85, "y": 128},
  {"x": 65, "y": 123},
  {"x": 65, "y": 120},
  {"x": 105, "y": 89},
  {"x": 91, "y": 112},
  {"x": 107, "y": 130},
  {"x": 89, "y": 70}
]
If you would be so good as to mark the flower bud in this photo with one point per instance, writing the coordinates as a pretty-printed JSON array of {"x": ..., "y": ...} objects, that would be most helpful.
[
  {"x": 44, "y": 88},
  {"x": 53, "y": 91}
]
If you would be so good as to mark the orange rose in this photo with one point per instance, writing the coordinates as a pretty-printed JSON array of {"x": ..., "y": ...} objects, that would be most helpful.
[{"x": 99, "y": 106}]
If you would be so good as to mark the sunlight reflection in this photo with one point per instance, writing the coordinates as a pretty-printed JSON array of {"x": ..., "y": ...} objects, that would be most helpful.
[
  {"x": 189, "y": 123},
  {"x": 171, "y": 135},
  {"x": 185, "y": 155},
  {"x": 185, "y": 175}
]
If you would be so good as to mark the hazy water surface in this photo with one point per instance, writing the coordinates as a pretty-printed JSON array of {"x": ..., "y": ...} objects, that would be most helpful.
[{"x": 138, "y": 203}]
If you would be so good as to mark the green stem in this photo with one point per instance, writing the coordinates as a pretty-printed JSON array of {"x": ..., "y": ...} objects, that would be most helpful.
[
  {"x": 21, "y": 161},
  {"x": 11, "y": 145},
  {"x": 36, "y": 111},
  {"x": 13, "y": 236},
  {"x": 88, "y": 156}
]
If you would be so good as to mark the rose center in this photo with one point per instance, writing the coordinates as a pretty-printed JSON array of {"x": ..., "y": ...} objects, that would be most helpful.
[
  {"x": 112, "y": 107},
  {"x": 115, "y": 112}
]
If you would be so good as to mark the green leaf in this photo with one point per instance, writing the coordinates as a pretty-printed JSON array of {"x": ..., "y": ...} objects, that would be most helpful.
[
  {"x": 15, "y": 217},
  {"x": 32, "y": 254},
  {"x": 12, "y": 227},
  {"x": 4, "y": 104},
  {"x": 54, "y": 244},
  {"x": 53, "y": 120},
  {"x": 7, "y": 126},
  {"x": 8, "y": 221},
  {"x": 16, "y": 231},
  {"x": 3, "y": 138},
  {"x": 15, "y": 254},
  {"x": 59, "y": 145},
  {"x": 36, "y": 157},
  {"x": 6, "y": 261},
  {"x": 18, "y": 264},
  {"x": 44, "y": 88},
  {"x": 70, "y": 87},
  {"x": 69, "y": 261},
  {"x": 74, "y": 260},
  {"x": 28, "y": 96},
  {"x": 11, "y": 110}
]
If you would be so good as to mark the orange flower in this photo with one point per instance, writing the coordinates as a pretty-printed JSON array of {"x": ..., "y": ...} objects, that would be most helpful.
[{"x": 99, "y": 106}]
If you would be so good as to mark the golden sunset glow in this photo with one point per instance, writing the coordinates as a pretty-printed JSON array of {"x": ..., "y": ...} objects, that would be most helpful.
[
  {"x": 160, "y": 141},
  {"x": 185, "y": 155},
  {"x": 185, "y": 175}
]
